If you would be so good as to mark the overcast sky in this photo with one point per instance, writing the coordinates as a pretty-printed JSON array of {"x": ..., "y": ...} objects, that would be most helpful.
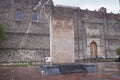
[{"x": 111, "y": 5}]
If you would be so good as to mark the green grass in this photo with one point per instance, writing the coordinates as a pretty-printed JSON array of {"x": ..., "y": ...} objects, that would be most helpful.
[
  {"x": 34, "y": 64},
  {"x": 107, "y": 60},
  {"x": 18, "y": 65},
  {"x": 119, "y": 66},
  {"x": 99, "y": 60}
]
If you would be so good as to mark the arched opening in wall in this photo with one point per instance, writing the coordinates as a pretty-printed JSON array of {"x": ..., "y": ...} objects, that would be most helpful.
[
  {"x": 34, "y": 16},
  {"x": 93, "y": 49},
  {"x": 18, "y": 15}
]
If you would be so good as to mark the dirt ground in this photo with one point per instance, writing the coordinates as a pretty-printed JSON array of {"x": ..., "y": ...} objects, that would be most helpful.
[{"x": 106, "y": 71}]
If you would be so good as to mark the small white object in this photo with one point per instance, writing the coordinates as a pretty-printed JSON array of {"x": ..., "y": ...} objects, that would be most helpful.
[
  {"x": 42, "y": 72},
  {"x": 47, "y": 59}
]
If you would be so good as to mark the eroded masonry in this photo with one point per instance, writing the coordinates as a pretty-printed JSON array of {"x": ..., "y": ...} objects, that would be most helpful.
[{"x": 37, "y": 29}]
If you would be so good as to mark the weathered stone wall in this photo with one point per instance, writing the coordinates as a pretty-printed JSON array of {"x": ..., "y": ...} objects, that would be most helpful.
[
  {"x": 21, "y": 56},
  {"x": 104, "y": 23},
  {"x": 62, "y": 36},
  {"x": 26, "y": 40},
  {"x": 112, "y": 34},
  {"x": 101, "y": 30},
  {"x": 62, "y": 40}
]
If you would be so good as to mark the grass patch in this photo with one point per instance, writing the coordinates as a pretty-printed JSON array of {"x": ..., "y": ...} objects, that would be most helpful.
[
  {"x": 107, "y": 60},
  {"x": 98, "y": 60},
  {"x": 119, "y": 66},
  {"x": 18, "y": 65}
]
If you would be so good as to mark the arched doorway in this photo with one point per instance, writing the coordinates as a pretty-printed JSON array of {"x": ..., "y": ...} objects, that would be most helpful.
[{"x": 93, "y": 49}]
